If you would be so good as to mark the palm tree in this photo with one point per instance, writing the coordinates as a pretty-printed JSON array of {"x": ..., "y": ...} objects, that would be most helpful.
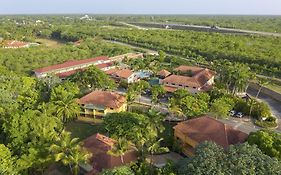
[
  {"x": 261, "y": 83},
  {"x": 119, "y": 148},
  {"x": 155, "y": 147},
  {"x": 66, "y": 109},
  {"x": 68, "y": 151}
]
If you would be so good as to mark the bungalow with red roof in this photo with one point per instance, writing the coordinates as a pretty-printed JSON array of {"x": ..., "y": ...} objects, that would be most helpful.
[
  {"x": 101, "y": 103},
  {"x": 70, "y": 67},
  {"x": 99, "y": 145},
  {"x": 192, "y": 132},
  {"x": 198, "y": 79},
  {"x": 123, "y": 74}
]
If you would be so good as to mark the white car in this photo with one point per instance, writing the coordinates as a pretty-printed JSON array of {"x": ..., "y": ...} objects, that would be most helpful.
[{"x": 232, "y": 113}]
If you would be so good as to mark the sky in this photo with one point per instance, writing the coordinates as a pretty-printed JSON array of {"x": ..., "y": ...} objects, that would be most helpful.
[{"x": 245, "y": 7}]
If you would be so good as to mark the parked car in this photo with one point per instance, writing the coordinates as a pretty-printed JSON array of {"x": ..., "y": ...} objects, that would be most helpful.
[
  {"x": 239, "y": 115},
  {"x": 232, "y": 113}
]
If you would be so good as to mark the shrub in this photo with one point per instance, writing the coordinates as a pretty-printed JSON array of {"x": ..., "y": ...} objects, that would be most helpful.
[{"x": 270, "y": 122}]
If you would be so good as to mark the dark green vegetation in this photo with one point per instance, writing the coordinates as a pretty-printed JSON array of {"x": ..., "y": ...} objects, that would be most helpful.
[
  {"x": 240, "y": 159},
  {"x": 33, "y": 115},
  {"x": 268, "y": 142}
]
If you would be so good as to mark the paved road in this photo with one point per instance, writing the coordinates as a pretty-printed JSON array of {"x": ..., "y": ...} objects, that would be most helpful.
[{"x": 201, "y": 28}]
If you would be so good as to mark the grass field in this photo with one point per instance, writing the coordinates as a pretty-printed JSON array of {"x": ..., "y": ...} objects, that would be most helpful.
[
  {"x": 274, "y": 87},
  {"x": 49, "y": 42},
  {"x": 83, "y": 130}
]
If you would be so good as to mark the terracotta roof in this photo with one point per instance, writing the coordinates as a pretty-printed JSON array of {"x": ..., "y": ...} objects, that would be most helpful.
[
  {"x": 71, "y": 64},
  {"x": 200, "y": 77},
  {"x": 208, "y": 129},
  {"x": 99, "y": 145},
  {"x": 15, "y": 44},
  {"x": 182, "y": 80},
  {"x": 111, "y": 71},
  {"x": 66, "y": 74},
  {"x": 123, "y": 73},
  {"x": 104, "y": 65},
  {"x": 103, "y": 98},
  {"x": 164, "y": 73},
  {"x": 98, "y": 141},
  {"x": 193, "y": 69},
  {"x": 170, "y": 89}
]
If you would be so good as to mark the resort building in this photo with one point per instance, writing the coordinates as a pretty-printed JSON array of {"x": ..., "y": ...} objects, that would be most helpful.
[
  {"x": 192, "y": 132},
  {"x": 100, "y": 103},
  {"x": 99, "y": 145},
  {"x": 194, "y": 79},
  {"x": 126, "y": 75},
  {"x": 70, "y": 67}
]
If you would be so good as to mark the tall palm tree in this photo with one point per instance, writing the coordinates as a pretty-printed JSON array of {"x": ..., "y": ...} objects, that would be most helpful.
[
  {"x": 120, "y": 148},
  {"x": 261, "y": 83},
  {"x": 66, "y": 109},
  {"x": 68, "y": 151}
]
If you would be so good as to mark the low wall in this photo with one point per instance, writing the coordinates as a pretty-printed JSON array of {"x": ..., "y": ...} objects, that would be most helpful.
[{"x": 266, "y": 91}]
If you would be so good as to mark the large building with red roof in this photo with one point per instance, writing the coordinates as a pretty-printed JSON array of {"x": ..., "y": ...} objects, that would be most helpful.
[
  {"x": 198, "y": 79},
  {"x": 13, "y": 44},
  {"x": 192, "y": 132},
  {"x": 70, "y": 67},
  {"x": 99, "y": 145}
]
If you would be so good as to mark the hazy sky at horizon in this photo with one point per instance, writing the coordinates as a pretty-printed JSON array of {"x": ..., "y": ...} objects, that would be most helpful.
[{"x": 259, "y": 7}]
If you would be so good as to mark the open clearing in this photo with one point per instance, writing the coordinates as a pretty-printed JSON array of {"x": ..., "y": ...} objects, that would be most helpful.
[{"x": 49, "y": 42}]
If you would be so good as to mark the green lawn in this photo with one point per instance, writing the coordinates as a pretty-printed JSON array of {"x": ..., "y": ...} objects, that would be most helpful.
[
  {"x": 83, "y": 130},
  {"x": 274, "y": 87},
  {"x": 49, "y": 42}
]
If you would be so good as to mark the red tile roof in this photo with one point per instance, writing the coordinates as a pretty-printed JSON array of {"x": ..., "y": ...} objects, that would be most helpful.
[
  {"x": 123, "y": 73},
  {"x": 99, "y": 145},
  {"x": 200, "y": 77},
  {"x": 103, "y": 98},
  {"x": 182, "y": 80},
  {"x": 71, "y": 64},
  {"x": 163, "y": 73},
  {"x": 170, "y": 89},
  {"x": 209, "y": 129},
  {"x": 193, "y": 69}
]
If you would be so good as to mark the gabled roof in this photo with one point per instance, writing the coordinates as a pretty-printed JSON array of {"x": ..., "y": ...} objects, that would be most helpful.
[
  {"x": 200, "y": 76},
  {"x": 209, "y": 129},
  {"x": 163, "y": 73},
  {"x": 71, "y": 64},
  {"x": 193, "y": 69},
  {"x": 123, "y": 73},
  {"x": 183, "y": 80},
  {"x": 103, "y": 98}
]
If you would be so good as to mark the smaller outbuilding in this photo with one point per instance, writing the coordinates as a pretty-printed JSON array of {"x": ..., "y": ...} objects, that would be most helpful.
[{"x": 99, "y": 145}]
